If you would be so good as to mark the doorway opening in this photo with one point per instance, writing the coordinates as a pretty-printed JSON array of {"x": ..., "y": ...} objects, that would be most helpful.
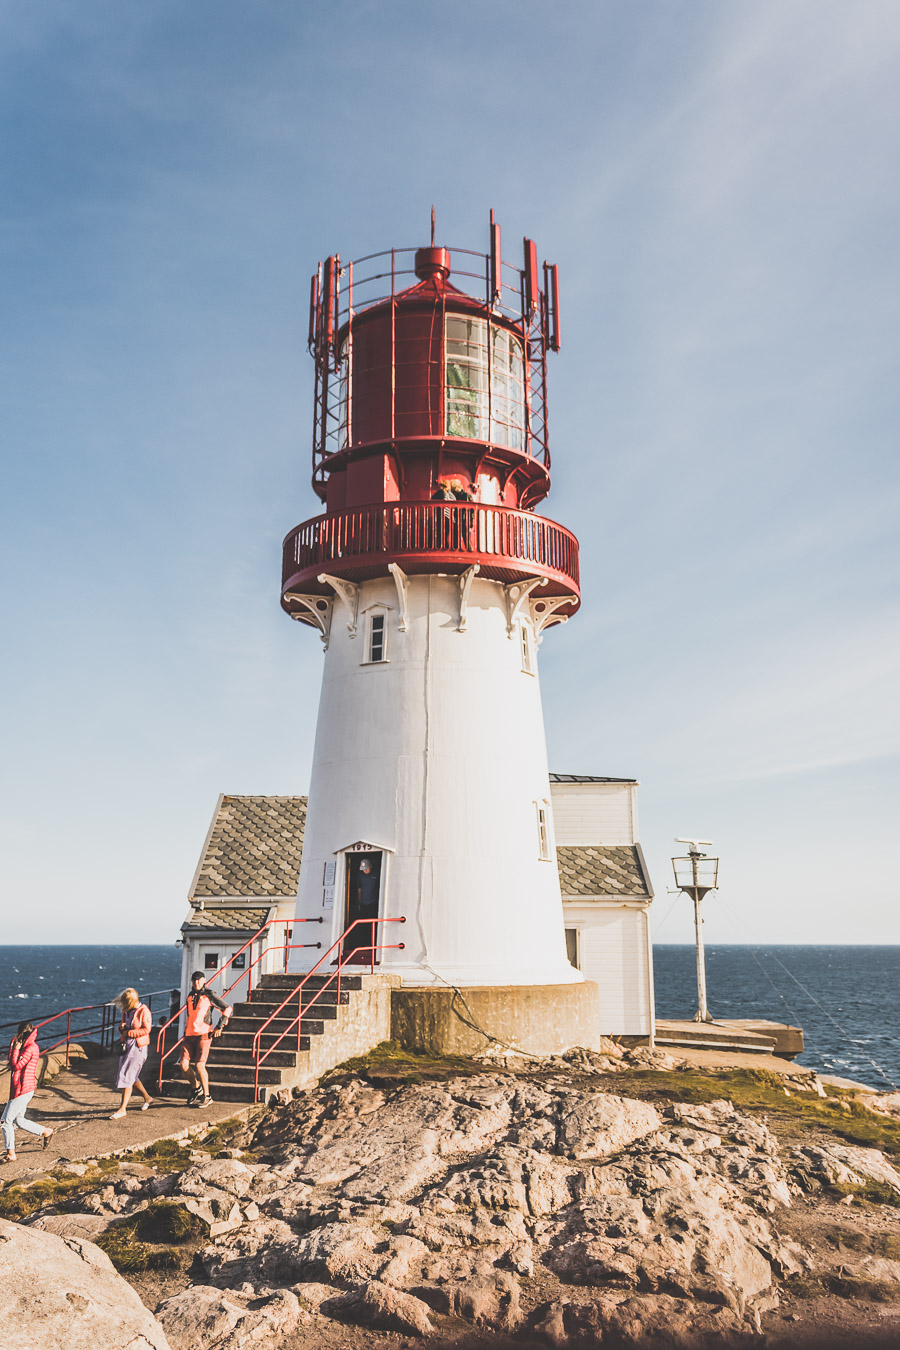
[{"x": 363, "y": 895}]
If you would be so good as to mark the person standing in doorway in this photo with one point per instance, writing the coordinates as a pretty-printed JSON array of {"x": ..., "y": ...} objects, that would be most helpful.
[
  {"x": 198, "y": 1035},
  {"x": 368, "y": 885},
  {"x": 134, "y": 1038},
  {"x": 23, "y": 1061}
]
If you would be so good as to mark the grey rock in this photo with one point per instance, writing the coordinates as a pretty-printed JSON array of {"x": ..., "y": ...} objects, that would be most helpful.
[
  {"x": 843, "y": 1164},
  {"x": 598, "y": 1124},
  {"x": 378, "y": 1305},
  {"x": 57, "y": 1291},
  {"x": 201, "y": 1317},
  {"x": 84, "y": 1226},
  {"x": 221, "y": 1174}
]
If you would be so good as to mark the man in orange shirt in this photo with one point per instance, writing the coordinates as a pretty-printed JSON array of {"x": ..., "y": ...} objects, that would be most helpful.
[{"x": 198, "y": 1033}]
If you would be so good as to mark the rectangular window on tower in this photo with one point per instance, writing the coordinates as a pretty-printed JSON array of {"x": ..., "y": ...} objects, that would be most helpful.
[
  {"x": 543, "y": 831},
  {"x": 377, "y": 645},
  {"x": 527, "y": 648}
]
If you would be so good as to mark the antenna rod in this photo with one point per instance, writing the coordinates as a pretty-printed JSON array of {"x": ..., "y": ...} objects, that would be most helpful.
[{"x": 432, "y": 227}]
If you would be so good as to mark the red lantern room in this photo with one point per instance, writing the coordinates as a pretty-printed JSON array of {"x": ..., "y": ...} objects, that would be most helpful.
[{"x": 430, "y": 440}]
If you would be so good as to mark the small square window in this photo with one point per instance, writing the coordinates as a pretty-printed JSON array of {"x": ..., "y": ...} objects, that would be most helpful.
[{"x": 211, "y": 961}]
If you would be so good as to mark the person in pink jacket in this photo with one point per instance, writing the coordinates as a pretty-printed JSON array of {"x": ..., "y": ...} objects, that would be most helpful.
[
  {"x": 134, "y": 1038},
  {"x": 23, "y": 1062}
]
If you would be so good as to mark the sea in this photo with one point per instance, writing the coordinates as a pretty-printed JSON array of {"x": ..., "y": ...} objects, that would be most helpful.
[{"x": 844, "y": 998}]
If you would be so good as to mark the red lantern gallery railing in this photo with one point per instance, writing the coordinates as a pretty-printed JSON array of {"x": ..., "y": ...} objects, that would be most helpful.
[{"x": 425, "y": 536}]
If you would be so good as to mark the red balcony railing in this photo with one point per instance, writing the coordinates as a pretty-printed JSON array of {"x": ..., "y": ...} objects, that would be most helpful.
[{"x": 431, "y": 536}]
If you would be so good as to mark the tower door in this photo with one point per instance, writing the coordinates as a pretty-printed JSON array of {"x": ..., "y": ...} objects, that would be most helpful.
[{"x": 362, "y": 892}]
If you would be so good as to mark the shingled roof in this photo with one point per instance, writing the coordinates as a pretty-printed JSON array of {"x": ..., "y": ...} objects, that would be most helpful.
[
  {"x": 253, "y": 849},
  {"x": 224, "y": 918},
  {"x": 602, "y": 869}
]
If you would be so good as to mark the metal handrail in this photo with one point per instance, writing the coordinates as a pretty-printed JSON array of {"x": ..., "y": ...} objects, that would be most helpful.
[
  {"x": 103, "y": 1026},
  {"x": 298, "y": 990},
  {"x": 286, "y": 947},
  {"x": 459, "y": 531}
]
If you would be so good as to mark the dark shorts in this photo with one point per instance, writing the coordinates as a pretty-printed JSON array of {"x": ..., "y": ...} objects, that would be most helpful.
[{"x": 195, "y": 1050}]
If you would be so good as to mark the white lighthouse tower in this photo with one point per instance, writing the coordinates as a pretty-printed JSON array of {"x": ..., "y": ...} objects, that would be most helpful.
[{"x": 431, "y": 580}]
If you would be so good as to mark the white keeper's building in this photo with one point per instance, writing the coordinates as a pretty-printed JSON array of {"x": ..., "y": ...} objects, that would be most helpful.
[{"x": 249, "y": 870}]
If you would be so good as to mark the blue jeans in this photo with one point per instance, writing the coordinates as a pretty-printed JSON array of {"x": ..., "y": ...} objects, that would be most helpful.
[{"x": 14, "y": 1119}]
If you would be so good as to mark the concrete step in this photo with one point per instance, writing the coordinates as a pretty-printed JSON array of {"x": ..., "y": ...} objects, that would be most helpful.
[
  {"x": 246, "y": 1073},
  {"x": 322, "y": 1012},
  {"x": 711, "y": 1036},
  {"x": 276, "y": 1059},
  {"x": 276, "y": 998},
  {"x": 246, "y": 1026},
  {"x": 242, "y": 1041},
  {"x": 261, "y": 1012},
  {"x": 289, "y": 982}
]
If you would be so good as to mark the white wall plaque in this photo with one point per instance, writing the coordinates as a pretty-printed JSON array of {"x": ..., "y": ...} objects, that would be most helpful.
[{"x": 328, "y": 877}]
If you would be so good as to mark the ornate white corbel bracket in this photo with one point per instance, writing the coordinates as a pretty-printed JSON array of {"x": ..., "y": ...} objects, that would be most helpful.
[
  {"x": 315, "y": 610},
  {"x": 348, "y": 594},
  {"x": 401, "y": 581},
  {"x": 465, "y": 585},
  {"x": 544, "y": 612},
  {"x": 517, "y": 593}
]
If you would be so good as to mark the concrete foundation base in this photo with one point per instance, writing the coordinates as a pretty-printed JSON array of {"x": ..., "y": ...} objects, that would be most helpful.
[{"x": 543, "y": 1019}]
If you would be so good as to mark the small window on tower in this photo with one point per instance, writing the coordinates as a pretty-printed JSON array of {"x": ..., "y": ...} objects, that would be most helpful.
[
  {"x": 572, "y": 947},
  {"x": 377, "y": 638},
  {"x": 543, "y": 832},
  {"x": 527, "y": 648}
]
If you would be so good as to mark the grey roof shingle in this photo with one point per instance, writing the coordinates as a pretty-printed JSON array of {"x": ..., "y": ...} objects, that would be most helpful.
[
  {"x": 253, "y": 849},
  {"x": 601, "y": 869},
  {"x": 246, "y": 919}
]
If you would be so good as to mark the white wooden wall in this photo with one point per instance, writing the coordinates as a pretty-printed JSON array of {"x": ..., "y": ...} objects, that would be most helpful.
[
  {"x": 594, "y": 813},
  {"x": 613, "y": 951}
]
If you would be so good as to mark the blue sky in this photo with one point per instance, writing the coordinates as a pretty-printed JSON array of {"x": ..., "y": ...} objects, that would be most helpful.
[{"x": 718, "y": 184}]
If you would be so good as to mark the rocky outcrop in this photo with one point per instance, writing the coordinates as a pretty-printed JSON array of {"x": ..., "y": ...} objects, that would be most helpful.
[
  {"x": 532, "y": 1206},
  {"x": 842, "y": 1165},
  {"x": 444, "y": 1199},
  {"x": 57, "y": 1291}
]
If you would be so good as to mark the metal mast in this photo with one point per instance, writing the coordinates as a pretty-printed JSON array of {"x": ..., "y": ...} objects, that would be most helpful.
[{"x": 697, "y": 875}]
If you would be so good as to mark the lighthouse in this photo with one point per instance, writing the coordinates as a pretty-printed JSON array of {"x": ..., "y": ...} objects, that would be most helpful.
[{"x": 432, "y": 579}]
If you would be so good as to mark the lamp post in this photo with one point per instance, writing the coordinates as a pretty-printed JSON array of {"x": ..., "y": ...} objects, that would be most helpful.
[{"x": 697, "y": 875}]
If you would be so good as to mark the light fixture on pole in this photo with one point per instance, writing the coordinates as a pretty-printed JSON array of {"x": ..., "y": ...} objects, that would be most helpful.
[{"x": 697, "y": 875}]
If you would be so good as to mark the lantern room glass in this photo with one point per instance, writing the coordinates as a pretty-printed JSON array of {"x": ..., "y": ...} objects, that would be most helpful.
[{"x": 479, "y": 407}]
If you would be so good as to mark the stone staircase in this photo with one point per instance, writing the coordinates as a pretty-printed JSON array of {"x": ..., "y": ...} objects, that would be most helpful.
[
  {"x": 336, "y": 1029},
  {"x": 739, "y": 1034}
]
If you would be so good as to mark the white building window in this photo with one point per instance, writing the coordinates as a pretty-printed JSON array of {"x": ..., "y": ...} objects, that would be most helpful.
[
  {"x": 376, "y": 638},
  {"x": 543, "y": 828},
  {"x": 527, "y": 643},
  {"x": 485, "y": 382},
  {"x": 572, "y": 951}
]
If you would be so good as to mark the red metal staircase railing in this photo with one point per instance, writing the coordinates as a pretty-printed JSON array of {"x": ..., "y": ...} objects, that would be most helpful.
[
  {"x": 344, "y": 958},
  {"x": 284, "y": 948}
]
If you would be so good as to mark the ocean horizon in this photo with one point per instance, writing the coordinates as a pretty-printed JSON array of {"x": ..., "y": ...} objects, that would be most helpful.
[{"x": 843, "y": 996}]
